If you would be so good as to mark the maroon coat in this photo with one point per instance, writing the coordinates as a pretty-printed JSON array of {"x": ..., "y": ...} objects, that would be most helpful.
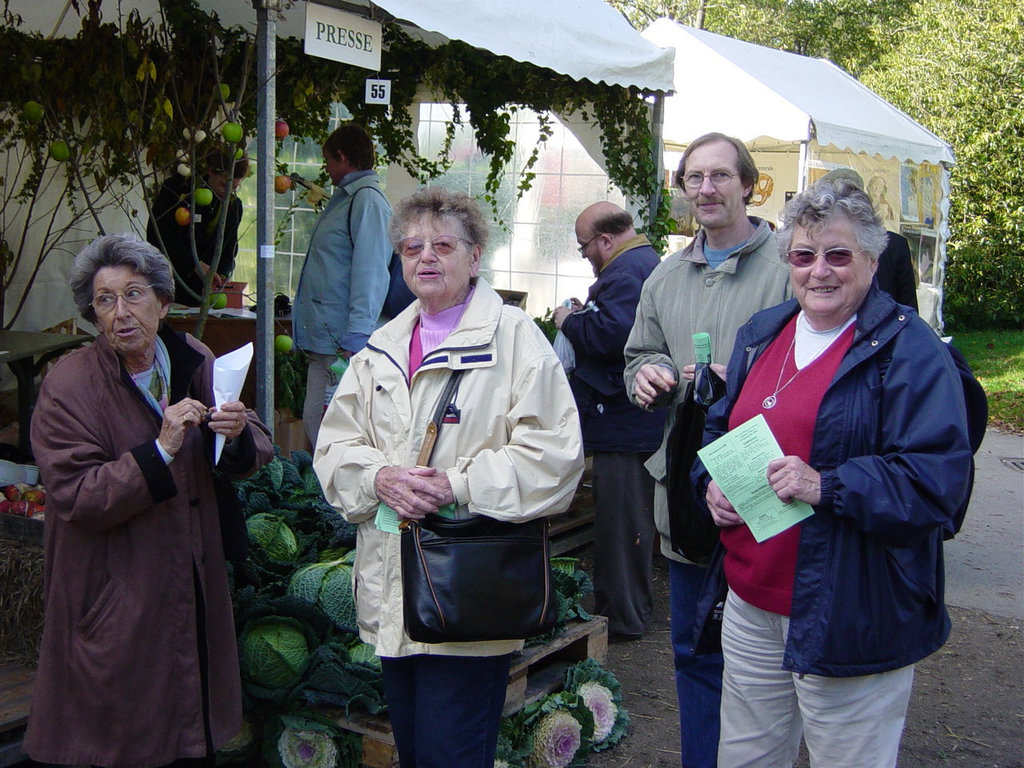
[{"x": 130, "y": 542}]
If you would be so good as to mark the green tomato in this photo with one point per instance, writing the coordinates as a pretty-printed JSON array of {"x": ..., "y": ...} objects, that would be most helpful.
[
  {"x": 225, "y": 91},
  {"x": 60, "y": 151},
  {"x": 283, "y": 343},
  {"x": 33, "y": 111},
  {"x": 203, "y": 196},
  {"x": 232, "y": 132}
]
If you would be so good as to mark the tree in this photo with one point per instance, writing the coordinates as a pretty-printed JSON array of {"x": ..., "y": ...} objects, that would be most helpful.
[
  {"x": 850, "y": 33},
  {"x": 960, "y": 71}
]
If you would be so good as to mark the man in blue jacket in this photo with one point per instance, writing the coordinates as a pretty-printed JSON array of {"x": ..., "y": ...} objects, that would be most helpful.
[
  {"x": 345, "y": 276},
  {"x": 619, "y": 436}
]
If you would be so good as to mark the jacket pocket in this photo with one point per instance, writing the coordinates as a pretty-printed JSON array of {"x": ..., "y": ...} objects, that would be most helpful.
[{"x": 101, "y": 609}]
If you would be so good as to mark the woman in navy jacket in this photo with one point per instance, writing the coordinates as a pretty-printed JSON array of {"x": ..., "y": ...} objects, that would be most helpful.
[{"x": 823, "y": 622}]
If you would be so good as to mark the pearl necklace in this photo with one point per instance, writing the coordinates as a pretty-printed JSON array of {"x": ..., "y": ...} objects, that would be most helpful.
[{"x": 769, "y": 402}]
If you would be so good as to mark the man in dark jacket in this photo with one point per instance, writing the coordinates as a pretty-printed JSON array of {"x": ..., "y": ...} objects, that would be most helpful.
[
  {"x": 619, "y": 436},
  {"x": 221, "y": 176},
  {"x": 895, "y": 273}
]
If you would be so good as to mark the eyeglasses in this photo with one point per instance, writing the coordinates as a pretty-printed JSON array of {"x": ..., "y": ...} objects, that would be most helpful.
[
  {"x": 583, "y": 248},
  {"x": 133, "y": 294},
  {"x": 442, "y": 245},
  {"x": 836, "y": 257},
  {"x": 719, "y": 179}
]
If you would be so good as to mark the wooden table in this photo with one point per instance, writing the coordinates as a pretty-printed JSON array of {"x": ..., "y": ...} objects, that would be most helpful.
[{"x": 25, "y": 354}]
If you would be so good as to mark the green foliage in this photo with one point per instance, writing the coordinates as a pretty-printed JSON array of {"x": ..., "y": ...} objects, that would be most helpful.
[
  {"x": 290, "y": 384},
  {"x": 851, "y": 33},
  {"x": 997, "y": 358},
  {"x": 547, "y": 325},
  {"x": 958, "y": 71}
]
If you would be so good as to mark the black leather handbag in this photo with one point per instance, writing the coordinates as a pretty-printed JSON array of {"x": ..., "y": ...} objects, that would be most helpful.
[
  {"x": 477, "y": 579},
  {"x": 474, "y": 578}
]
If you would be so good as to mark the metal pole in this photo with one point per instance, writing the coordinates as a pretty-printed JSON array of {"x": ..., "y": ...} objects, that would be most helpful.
[
  {"x": 658, "y": 151},
  {"x": 266, "y": 97}
]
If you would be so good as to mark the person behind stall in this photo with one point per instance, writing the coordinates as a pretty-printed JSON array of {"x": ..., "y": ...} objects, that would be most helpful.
[
  {"x": 344, "y": 278},
  {"x": 824, "y": 622},
  {"x": 509, "y": 448},
  {"x": 618, "y": 436},
  {"x": 138, "y": 664},
  {"x": 222, "y": 174},
  {"x": 895, "y": 272}
]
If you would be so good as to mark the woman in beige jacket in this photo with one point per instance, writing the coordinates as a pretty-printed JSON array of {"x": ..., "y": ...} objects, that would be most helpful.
[{"x": 509, "y": 448}]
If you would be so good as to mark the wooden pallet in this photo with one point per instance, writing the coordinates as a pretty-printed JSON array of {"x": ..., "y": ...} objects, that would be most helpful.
[
  {"x": 535, "y": 672},
  {"x": 15, "y": 698}
]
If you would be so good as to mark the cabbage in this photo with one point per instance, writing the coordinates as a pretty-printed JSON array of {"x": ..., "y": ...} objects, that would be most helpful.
[
  {"x": 307, "y": 749},
  {"x": 555, "y": 742},
  {"x": 274, "y": 652},
  {"x": 272, "y": 533},
  {"x": 328, "y": 586},
  {"x": 600, "y": 702}
]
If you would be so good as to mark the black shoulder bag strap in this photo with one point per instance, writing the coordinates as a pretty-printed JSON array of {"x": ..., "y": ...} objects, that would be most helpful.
[{"x": 430, "y": 438}]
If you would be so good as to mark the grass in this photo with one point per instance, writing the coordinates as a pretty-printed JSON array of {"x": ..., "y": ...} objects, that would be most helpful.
[{"x": 997, "y": 358}]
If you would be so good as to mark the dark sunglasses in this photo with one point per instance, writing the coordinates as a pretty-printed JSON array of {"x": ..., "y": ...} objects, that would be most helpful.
[{"x": 836, "y": 257}]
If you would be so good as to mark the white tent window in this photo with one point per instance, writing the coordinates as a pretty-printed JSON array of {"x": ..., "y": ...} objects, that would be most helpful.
[{"x": 533, "y": 249}]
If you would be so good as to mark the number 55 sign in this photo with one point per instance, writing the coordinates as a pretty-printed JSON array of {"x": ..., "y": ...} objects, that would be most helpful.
[{"x": 378, "y": 92}]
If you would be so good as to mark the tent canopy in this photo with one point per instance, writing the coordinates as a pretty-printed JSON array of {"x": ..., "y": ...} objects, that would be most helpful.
[
  {"x": 584, "y": 39},
  {"x": 749, "y": 91}
]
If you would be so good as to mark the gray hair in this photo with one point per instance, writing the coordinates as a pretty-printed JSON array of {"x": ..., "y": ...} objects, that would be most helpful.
[
  {"x": 123, "y": 250},
  {"x": 441, "y": 203},
  {"x": 817, "y": 205}
]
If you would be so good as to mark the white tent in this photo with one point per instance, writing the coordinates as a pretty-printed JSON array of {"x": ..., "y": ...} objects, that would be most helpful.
[
  {"x": 802, "y": 117},
  {"x": 584, "y": 39}
]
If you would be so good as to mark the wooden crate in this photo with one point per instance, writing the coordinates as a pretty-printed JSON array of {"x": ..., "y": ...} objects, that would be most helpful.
[
  {"x": 574, "y": 528},
  {"x": 15, "y": 697},
  {"x": 535, "y": 672},
  {"x": 26, "y": 530}
]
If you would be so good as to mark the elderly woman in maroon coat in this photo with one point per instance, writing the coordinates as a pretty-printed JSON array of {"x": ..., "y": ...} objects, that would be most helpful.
[{"x": 138, "y": 665}]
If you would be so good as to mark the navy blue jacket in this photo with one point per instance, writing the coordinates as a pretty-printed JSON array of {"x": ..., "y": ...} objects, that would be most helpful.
[
  {"x": 894, "y": 459},
  {"x": 610, "y": 422}
]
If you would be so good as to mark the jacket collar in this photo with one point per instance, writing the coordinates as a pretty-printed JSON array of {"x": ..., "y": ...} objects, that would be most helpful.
[
  {"x": 637, "y": 241},
  {"x": 694, "y": 252},
  {"x": 879, "y": 319},
  {"x": 184, "y": 362},
  {"x": 470, "y": 345}
]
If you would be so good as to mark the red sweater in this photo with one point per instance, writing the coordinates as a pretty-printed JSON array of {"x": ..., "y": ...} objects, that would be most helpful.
[{"x": 762, "y": 574}]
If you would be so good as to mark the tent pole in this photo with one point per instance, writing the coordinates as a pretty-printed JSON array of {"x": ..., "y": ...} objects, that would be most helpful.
[
  {"x": 658, "y": 151},
  {"x": 266, "y": 96}
]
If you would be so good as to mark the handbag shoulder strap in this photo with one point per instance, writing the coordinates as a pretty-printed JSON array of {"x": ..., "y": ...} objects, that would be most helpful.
[{"x": 434, "y": 426}]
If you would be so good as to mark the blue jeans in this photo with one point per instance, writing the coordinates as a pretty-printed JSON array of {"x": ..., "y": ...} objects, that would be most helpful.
[
  {"x": 445, "y": 710},
  {"x": 698, "y": 678}
]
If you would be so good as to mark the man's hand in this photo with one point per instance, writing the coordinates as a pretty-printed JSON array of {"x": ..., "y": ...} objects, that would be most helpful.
[
  {"x": 651, "y": 382},
  {"x": 562, "y": 312}
]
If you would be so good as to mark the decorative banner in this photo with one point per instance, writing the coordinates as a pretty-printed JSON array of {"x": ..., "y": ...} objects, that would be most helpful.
[
  {"x": 339, "y": 36},
  {"x": 377, "y": 92}
]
